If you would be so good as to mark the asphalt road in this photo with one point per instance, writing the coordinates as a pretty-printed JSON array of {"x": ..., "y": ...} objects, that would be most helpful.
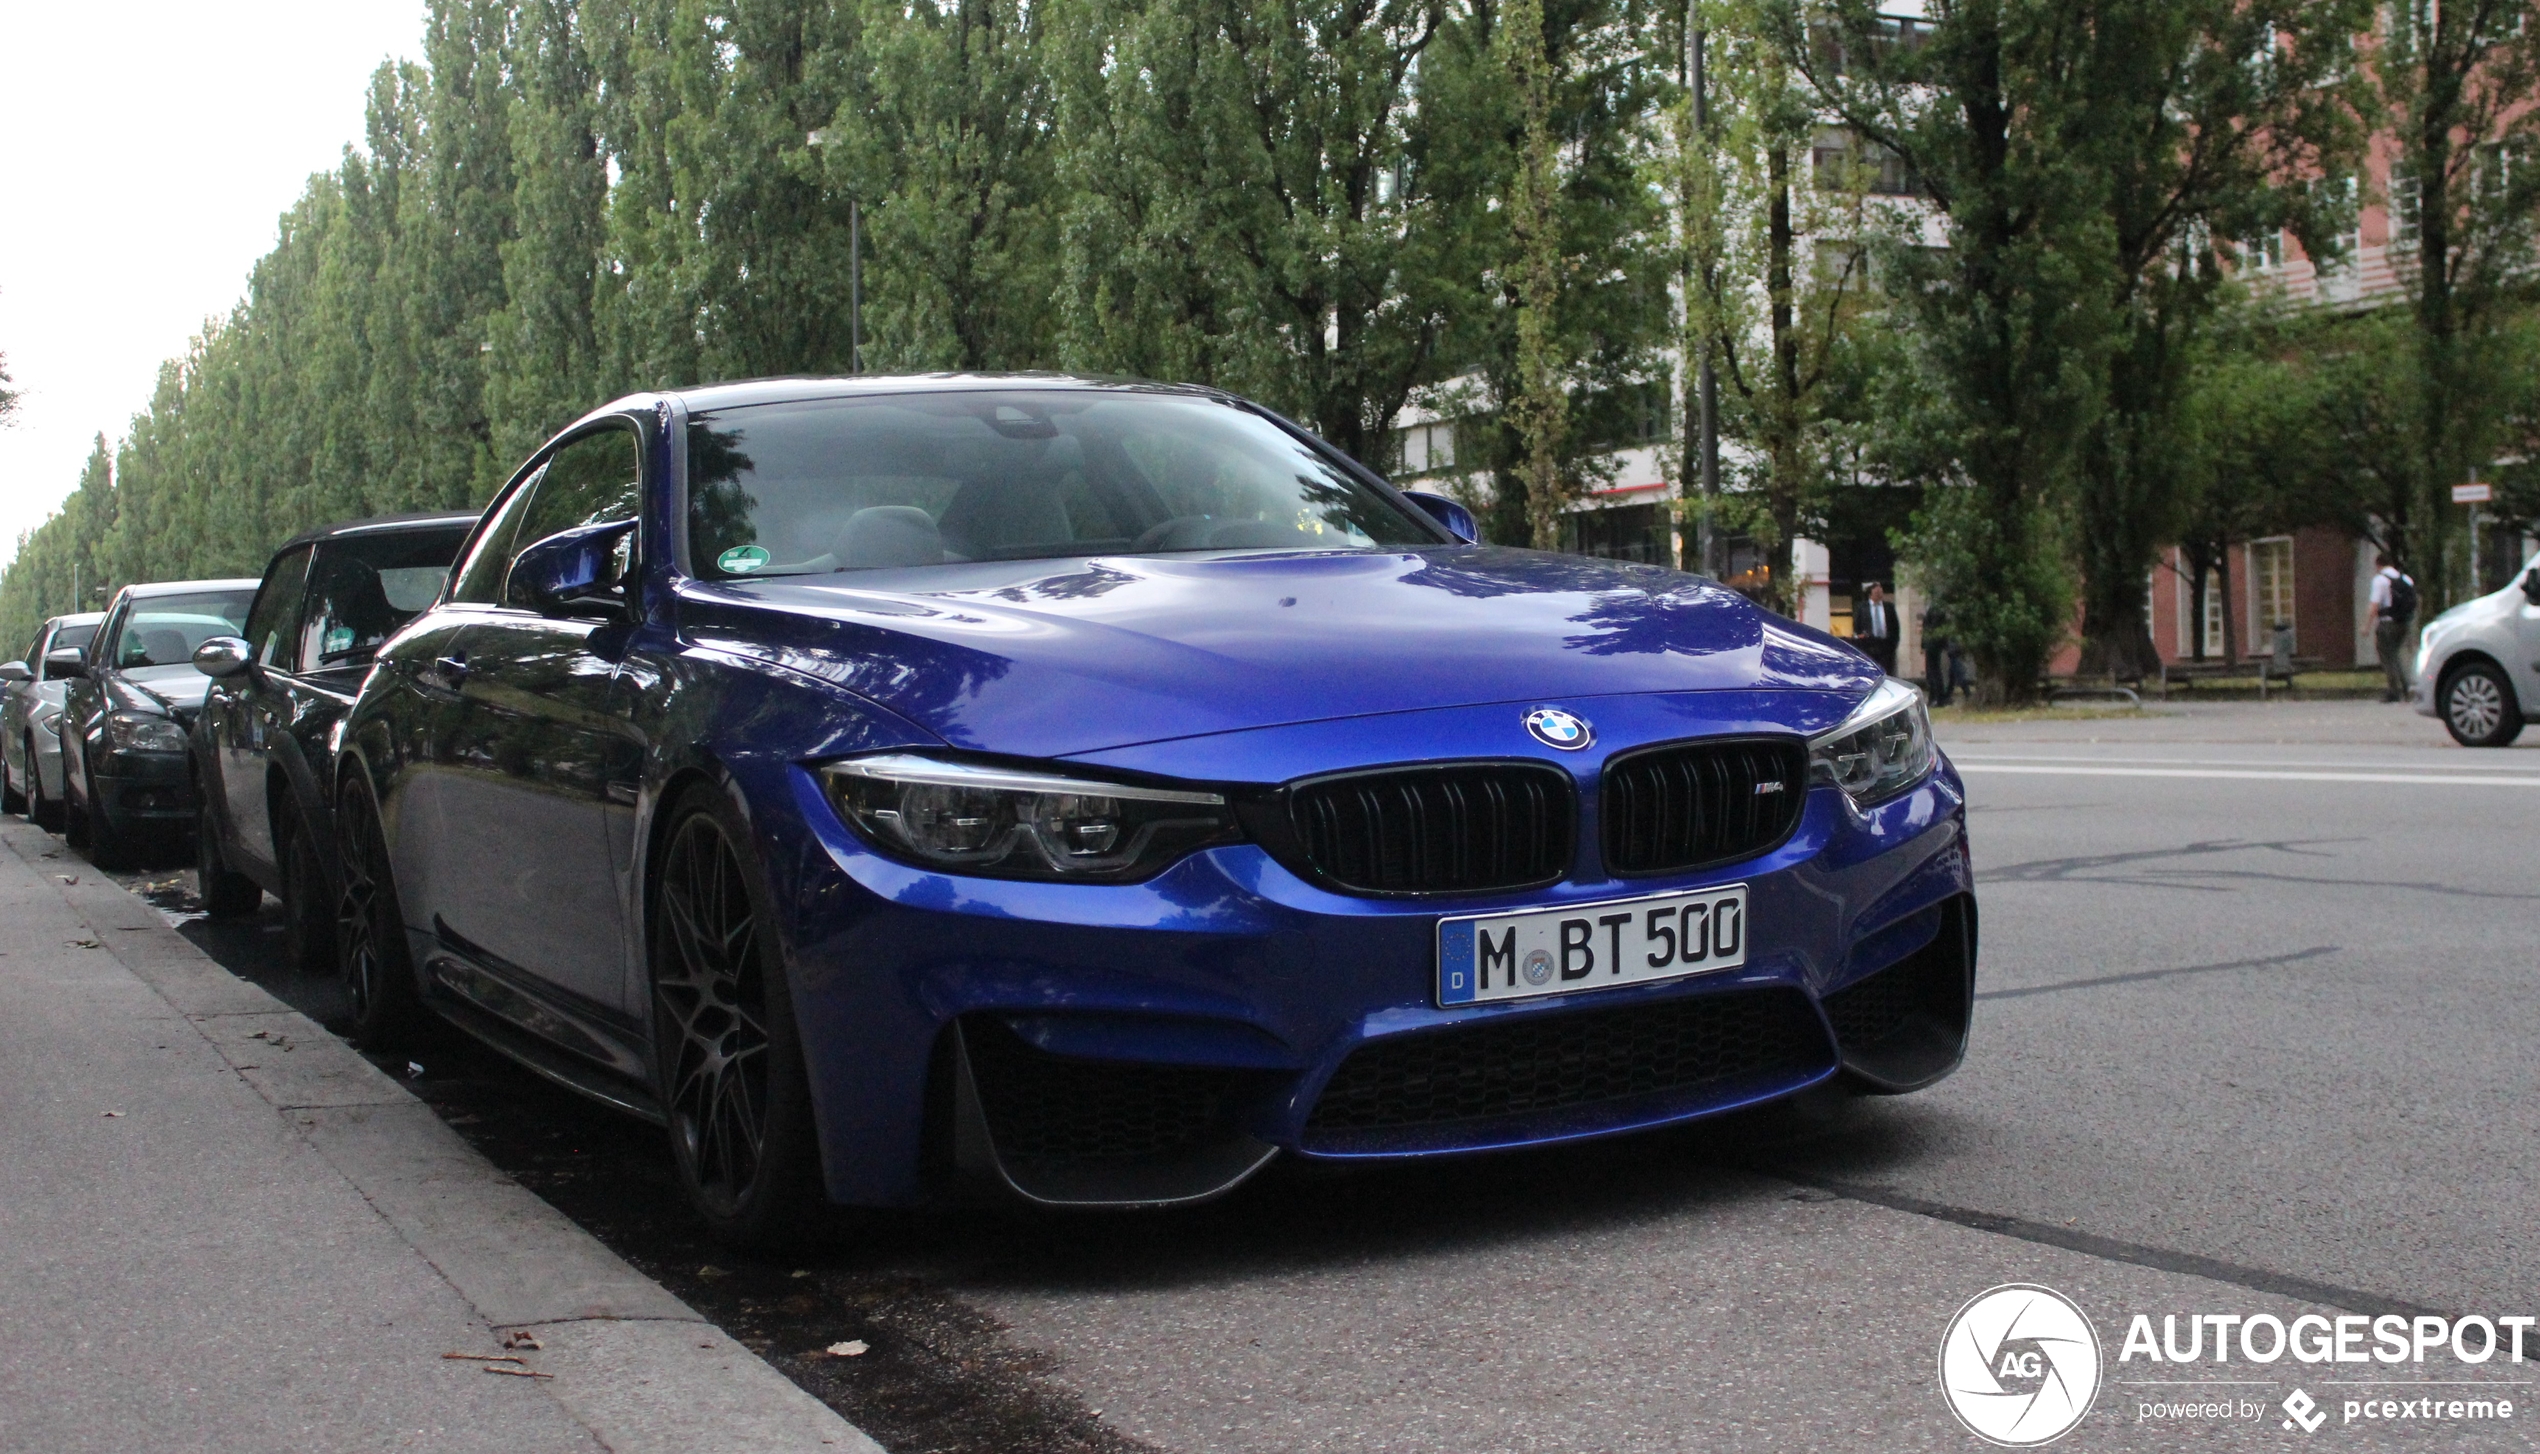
[{"x": 2253, "y": 1036}]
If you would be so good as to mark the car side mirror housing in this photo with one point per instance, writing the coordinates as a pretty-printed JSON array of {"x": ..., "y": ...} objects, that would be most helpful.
[
  {"x": 577, "y": 572},
  {"x": 2531, "y": 585},
  {"x": 70, "y": 661},
  {"x": 15, "y": 671},
  {"x": 1449, "y": 513},
  {"x": 223, "y": 656}
]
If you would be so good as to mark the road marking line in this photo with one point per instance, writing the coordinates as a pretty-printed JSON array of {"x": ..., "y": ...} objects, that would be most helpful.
[{"x": 2290, "y": 777}]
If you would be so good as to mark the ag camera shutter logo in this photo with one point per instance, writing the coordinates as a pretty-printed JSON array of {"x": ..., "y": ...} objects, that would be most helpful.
[{"x": 2020, "y": 1365}]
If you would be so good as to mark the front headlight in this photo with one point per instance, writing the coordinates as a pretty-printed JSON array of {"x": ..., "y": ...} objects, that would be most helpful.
[
  {"x": 1882, "y": 749},
  {"x": 1007, "y": 823},
  {"x": 142, "y": 732}
]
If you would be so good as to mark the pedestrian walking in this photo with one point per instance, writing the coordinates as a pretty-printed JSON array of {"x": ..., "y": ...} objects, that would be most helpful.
[
  {"x": 1875, "y": 629},
  {"x": 2394, "y": 606},
  {"x": 1936, "y": 674}
]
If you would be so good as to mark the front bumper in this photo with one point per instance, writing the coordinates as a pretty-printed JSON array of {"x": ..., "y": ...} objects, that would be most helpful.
[
  {"x": 1156, "y": 1042},
  {"x": 140, "y": 792}
]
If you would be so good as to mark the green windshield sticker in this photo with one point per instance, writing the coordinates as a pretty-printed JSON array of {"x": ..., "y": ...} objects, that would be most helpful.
[{"x": 741, "y": 559}]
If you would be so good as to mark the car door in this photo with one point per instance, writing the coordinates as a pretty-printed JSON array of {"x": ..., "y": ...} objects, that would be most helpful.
[
  {"x": 537, "y": 748},
  {"x": 83, "y": 701},
  {"x": 240, "y": 712}
]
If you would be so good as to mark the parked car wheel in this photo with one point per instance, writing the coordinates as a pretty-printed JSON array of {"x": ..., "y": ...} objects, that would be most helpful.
[
  {"x": 731, "y": 1073},
  {"x": 225, "y": 894},
  {"x": 370, "y": 933},
  {"x": 107, "y": 846},
  {"x": 308, "y": 914},
  {"x": 42, "y": 811},
  {"x": 2479, "y": 706}
]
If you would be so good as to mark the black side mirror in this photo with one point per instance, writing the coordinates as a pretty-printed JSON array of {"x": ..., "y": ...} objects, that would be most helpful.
[
  {"x": 577, "y": 572},
  {"x": 2531, "y": 585},
  {"x": 223, "y": 656},
  {"x": 1447, "y": 512},
  {"x": 70, "y": 661}
]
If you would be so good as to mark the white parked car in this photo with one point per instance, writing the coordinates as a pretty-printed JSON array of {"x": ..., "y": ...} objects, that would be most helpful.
[
  {"x": 31, "y": 692},
  {"x": 2478, "y": 664}
]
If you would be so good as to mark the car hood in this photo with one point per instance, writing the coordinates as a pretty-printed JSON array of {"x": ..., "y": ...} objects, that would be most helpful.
[
  {"x": 177, "y": 690},
  {"x": 1051, "y": 657}
]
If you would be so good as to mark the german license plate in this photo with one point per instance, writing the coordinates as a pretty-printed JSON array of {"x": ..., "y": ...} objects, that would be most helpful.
[{"x": 1590, "y": 946}]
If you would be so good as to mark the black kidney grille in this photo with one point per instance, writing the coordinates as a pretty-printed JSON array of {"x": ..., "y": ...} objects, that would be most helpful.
[
  {"x": 1551, "y": 1062},
  {"x": 1696, "y": 803},
  {"x": 1457, "y": 829}
]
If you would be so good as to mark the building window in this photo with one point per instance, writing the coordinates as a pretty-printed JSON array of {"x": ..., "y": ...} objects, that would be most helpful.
[
  {"x": 2263, "y": 253},
  {"x": 2213, "y": 622},
  {"x": 2270, "y": 590},
  {"x": 1426, "y": 448}
]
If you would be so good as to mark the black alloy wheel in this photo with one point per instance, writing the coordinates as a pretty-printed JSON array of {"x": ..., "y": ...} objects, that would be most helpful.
[
  {"x": 730, "y": 1065},
  {"x": 370, "y": 934},
  {"x": 225, "y": 895},
  {"x": 308, "y": 913},
  {"x": 43, "y": 812},
  {"x": 107, "y": 846},
  {"x": 2479, "y": 707}
]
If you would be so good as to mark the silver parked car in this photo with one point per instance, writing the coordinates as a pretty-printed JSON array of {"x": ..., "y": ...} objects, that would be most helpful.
[{"x": 30, "y": 717}]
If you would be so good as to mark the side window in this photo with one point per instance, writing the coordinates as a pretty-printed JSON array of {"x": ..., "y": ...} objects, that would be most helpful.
[
  {"x": 362, "y": 588},
  {"x": 273, "y": 623},
  {"x": 595, "y": 480},
  {"x": 481, "y": 579}
]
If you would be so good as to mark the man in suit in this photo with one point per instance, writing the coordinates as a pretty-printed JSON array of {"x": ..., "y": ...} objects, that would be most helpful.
[{"x": 1874, "y": 629}]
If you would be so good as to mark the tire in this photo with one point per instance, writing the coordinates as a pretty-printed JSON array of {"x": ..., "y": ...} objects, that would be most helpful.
[
  {"x": 370, "y": 933},
  {"x": 74, "y": 812},
  {"x": 2479, "y": 707},
  {"x": 107, "y": 846},
  {"x": 730, "y": 1064},
  {"x": 308, "y": 911},
  {"x": 225, "y": 895},
  {"x": 42, "y": 811}
]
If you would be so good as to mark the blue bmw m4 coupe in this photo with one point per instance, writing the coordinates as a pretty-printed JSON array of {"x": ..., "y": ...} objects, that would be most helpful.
[{"x": 1092, "y": 791}]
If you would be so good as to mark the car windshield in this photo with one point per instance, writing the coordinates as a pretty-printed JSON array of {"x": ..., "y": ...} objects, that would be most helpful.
[
  {"x": 164, "y": 630},
  {"x": 926, "y": 479},
  {"x": 364, "y": 587}
]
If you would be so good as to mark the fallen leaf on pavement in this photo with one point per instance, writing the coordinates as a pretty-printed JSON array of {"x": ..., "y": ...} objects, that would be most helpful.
[
  {"x": 515, "y": 1372},
  {"x": 114, "y": 1114},
  {"x": 483, "y": 1357},
  {"x": 852, "y": 1348},
  {"x": 81, "y": 943},
  {"x": 710, "y": 1270},
  {"x": 522, "y": 1340},
  {"x": 799, "y": 1272},
  {"x": 69, "y": 878}
]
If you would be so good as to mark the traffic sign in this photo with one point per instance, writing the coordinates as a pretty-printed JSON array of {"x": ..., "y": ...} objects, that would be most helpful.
[{"x": 2478, "y": 494}]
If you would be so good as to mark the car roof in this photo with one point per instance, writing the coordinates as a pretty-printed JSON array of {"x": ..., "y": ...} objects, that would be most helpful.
[
  {"x": 789, "y": 390},
  {"x": 186, "y": 588},
  {"x": 76, "y": 618},
  {"x": 382, "y": 525}
]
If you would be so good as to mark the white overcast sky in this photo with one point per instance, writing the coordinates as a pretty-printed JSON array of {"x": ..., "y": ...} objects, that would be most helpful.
[{"x": 147, "y": 150}]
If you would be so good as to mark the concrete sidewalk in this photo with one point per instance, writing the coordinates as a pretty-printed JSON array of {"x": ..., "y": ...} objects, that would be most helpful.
[{"x": 221, "y": 1229}]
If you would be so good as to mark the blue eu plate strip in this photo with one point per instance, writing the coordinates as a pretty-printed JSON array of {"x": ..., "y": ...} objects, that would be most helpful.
[{"x": 1455, "y": 962}]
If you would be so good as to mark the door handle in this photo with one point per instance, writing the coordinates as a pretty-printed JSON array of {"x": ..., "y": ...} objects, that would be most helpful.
[{"x": 448, "y": 672}]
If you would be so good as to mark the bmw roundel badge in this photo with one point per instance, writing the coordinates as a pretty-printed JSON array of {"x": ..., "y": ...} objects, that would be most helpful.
[{"x": 1558, "y": 729}]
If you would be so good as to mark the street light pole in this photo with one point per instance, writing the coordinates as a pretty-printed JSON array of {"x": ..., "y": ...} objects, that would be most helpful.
[
  {"x": 855, "y": 286},
  {"x": 1707, "y": 383}
]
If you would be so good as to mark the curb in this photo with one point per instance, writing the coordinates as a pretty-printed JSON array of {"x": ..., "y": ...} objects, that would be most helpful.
[{"x": 632, "y": 1364}]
